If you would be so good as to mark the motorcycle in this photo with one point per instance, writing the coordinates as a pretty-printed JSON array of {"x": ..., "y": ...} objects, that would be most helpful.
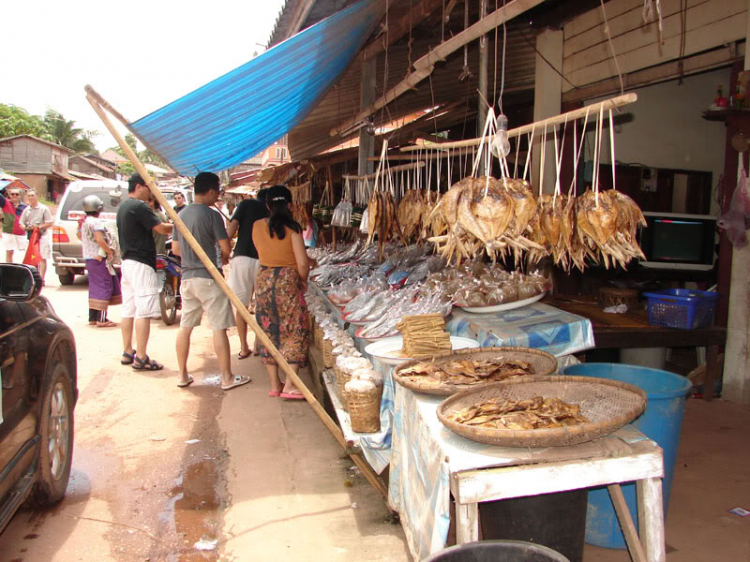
[{"x": 170, "y": 301}]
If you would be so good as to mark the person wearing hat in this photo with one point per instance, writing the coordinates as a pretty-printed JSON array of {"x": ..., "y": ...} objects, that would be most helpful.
[
  {"x": 280, "y": 287},
  {"x": 101, "y": 252}
]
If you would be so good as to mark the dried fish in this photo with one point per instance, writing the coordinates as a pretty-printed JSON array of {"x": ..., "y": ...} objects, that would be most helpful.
[{"x": 533, "y": 413}]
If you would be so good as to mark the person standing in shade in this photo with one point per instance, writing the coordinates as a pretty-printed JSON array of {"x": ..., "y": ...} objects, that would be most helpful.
[
  {"x": 38, "y": 216},
  {"x": 179, "y": 202},
  {"x": 244, "y": 266},
  {"x": 14, "y": 236},
  {"x": 136, "y": 223},
  {"x": 200, "y": 292},
  {"x": 280, "y": 289}
]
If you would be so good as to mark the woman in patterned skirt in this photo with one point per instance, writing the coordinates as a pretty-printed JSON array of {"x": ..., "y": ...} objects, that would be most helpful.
[{"x": 280, "y": 286}]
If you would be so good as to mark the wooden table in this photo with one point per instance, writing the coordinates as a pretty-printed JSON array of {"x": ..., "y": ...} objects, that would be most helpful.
[
  {"x": 619, "y": 462},
  {"x": 622, "y": 331}
]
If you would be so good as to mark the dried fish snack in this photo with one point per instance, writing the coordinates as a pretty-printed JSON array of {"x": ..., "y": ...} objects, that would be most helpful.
[
  {"x": 466, "y": 371},
  {"x": 533, "y": 413}
]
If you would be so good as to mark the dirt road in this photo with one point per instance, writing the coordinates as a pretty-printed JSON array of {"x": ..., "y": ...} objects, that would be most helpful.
[{"x": 162, "y": 473}]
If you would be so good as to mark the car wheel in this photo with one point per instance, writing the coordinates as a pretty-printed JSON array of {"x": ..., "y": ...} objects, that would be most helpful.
[
  {"x": 168, "y": 304},
  {"x": 56, "y": 448},
  {"x": 67, "y": 278}
]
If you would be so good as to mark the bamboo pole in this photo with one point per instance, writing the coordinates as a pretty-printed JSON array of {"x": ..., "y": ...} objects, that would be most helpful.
[
  {"x": 389, "y": 170},
  {"x": 538, "y": 127},
  {"x": 94, "y": 99},
  {"x": 424, "y": 66}
]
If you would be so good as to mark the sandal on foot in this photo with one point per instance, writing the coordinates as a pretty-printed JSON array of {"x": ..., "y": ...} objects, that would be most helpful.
[
  {"x": 238, "y": 380},
  {"x": 274, "y": 393},
  {"x": 242, "y": 356},
  {"x": 146, "y": 364},
  {"x": 292, "y": 395},
  {"x": 106, "y": 324},
  {"x": 127, "y": 358},
  {"x": 187, "y": 383}
]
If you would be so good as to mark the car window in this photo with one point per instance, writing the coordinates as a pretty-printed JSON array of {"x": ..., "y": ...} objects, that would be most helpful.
[{"x": 74, "y": 201}]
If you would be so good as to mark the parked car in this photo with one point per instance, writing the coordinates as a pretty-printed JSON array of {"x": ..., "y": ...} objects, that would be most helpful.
[
  {"x": 38, "y": 393},
  {"x": 67, "y": 252}
]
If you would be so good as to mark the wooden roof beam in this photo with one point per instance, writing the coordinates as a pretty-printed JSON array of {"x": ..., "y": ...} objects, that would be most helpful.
[
  {"x": 425, "y": 65},
  {"x": 399, "y": 28}
]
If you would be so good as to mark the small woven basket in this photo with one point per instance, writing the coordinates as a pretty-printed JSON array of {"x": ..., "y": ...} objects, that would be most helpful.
[
  {"x": 318, "y": 337},
  {"x": 613, "y": 296},
  {"x": 341, "y": 379},
  {"x": 328, "y": 358},
  {"x": 364, "y": 410}
]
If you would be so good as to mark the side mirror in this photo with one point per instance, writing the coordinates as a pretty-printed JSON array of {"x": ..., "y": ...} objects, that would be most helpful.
[{"x": 19, "y": 282}]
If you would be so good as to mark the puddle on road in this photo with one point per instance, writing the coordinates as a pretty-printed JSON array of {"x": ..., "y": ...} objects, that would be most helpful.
[{"x": 196, "y": 511}]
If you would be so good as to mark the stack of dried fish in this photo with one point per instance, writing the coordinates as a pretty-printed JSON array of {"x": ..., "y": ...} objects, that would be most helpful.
[
  {"x": 411, "y": 209},
  {"x": 382, "y": 219},
  {"x": 534, "y": 413},
  {"x": 466, "y": 371},
  {"x": 484, "y": 215},
  {"x": 424, "y": 335}
]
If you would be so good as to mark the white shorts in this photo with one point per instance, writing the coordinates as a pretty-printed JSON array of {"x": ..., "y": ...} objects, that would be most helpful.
[
  {"x": 15, "y": 241},
  {"x": 45, "y": 247},
  {"x": 140, "y": 290},
  {"x": 201, "y": 295},
  {"x": 242, "y": 277}
]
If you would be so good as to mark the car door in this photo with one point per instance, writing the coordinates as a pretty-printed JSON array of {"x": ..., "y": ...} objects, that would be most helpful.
[{"x": 18, "y": 425}]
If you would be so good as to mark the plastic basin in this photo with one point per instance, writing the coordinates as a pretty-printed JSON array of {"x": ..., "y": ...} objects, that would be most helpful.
[
  {"x": 661, "y": 421},
  {"x": 497, "y": 551}
]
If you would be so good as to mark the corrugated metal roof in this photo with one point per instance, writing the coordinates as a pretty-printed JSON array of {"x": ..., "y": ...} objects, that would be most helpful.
[
  {"x": 231, "y": 119},
  {"x": 311, "y": 136}
]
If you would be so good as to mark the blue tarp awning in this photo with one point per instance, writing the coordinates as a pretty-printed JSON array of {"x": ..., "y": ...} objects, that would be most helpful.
[{"x": 238, "y": 115}]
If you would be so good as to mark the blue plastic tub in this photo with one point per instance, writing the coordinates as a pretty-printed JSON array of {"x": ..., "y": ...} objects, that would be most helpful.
[{"x": 661, "y": 421}]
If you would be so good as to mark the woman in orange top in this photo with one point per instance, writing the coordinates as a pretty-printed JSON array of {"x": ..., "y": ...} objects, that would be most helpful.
[{"x": 280, "y": 287}]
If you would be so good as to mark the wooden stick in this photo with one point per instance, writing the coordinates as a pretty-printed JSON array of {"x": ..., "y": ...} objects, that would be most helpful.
[
  {"x": 365, "y": 468},
  {"x": 626, "y": 522},
  {"x": 618, "y": 101},
  {"x": 389, "y": 170}
]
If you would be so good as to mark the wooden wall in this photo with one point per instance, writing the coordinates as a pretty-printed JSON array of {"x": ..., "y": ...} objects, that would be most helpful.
[
  {"x": 587, "y": 57},
  {"x": 26, "y": 155}
]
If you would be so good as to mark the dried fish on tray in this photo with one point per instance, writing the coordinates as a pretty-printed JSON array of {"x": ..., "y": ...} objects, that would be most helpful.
[
  {"x": 532, "y": 413},
  {"x": 449, "y": 373},
  {"x": 542, "y": 411}
]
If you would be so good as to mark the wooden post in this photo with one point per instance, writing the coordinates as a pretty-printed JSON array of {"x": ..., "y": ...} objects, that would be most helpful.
[
  {"x": 626, "y": 522},
  {"x": 94, "y": 99}
]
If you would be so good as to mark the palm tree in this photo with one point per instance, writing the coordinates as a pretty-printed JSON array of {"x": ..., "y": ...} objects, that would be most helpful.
[{"x": 65, "y": 133}]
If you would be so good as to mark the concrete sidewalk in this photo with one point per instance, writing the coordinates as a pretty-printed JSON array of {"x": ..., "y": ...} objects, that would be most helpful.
[{"x": 292, "y": 492}]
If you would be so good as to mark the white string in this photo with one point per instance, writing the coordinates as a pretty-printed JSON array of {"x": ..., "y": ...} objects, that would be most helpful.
[{"x": 612, "y": 146}]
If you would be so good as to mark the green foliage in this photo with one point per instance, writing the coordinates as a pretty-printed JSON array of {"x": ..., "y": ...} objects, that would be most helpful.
[
  {"x": 65, "y": 133},
  {"x": 126, "y": 169},
  {"x": 145, "y": 155},
  {"x": 17, "y": 121}
]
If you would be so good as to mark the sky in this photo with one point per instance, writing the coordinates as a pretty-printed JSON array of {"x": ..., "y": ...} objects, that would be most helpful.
[{"x": 139, "y": 55}]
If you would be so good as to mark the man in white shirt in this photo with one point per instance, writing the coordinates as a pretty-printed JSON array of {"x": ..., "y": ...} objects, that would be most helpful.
[{"x": 38, "y": 216}]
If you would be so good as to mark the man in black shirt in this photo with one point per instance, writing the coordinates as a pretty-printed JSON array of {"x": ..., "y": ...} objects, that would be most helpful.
[
  {"x": 136, "y": 223},
  {"x": 179, "y": 202},
  {"x": 245, "y": 258}
]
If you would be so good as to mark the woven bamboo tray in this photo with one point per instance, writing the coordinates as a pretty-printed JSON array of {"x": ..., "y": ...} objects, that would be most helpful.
[
  {"x": 328, "y": 357},
  {"x": 364, "y": 410},
  {"x": 607, "y": 404},
  {"x": 543, "y": 363}
]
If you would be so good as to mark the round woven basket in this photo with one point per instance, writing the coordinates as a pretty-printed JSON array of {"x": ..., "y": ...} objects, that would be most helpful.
[
  {"x": 318, "y": 337},
  {"x": 607, "y": 404},
  {"x": 328, "y": 358},
  {"x": 364, "y": 410},
  {"x": 342, "y": 378},
  {"x": 613, "y": 296},
  {"x": 542, "y": 362}
]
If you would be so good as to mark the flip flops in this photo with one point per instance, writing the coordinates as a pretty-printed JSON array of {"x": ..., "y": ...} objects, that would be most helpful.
[
  {"x": 292, "y": 396},
  {"x": 238, "y": 380},
  {"x": 187, "y": 383},
  {"x": 274, "y": 393},
  {"x": 240, "y": 356}
]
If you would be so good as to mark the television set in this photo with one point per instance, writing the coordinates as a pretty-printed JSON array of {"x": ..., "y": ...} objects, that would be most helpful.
[{"x": 678, "y": 241}]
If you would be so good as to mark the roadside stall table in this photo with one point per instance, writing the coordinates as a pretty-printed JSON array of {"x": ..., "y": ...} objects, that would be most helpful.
[
  {"x": 631, "y": 329},
  {"x": 430, "y": 463}
]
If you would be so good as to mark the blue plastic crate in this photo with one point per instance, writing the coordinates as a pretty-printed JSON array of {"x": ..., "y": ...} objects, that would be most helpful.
[{"x": 681, "y": 308}]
